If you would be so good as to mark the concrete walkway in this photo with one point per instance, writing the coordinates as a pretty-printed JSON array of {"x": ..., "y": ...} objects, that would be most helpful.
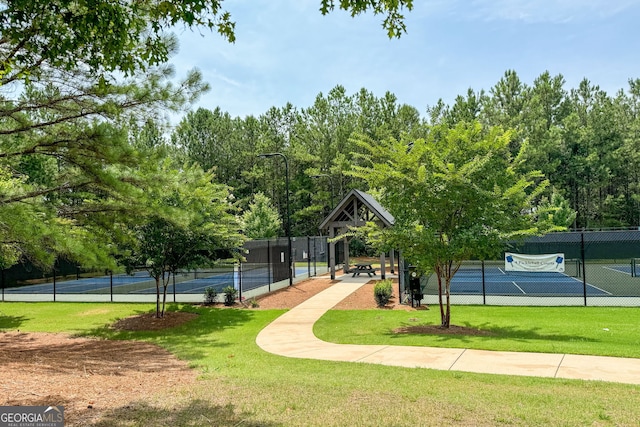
[{"x": 291, "y": 335}]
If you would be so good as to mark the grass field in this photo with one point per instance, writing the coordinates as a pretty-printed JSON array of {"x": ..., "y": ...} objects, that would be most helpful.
[
  {"x": 241, "y": 385},
  {"x": 611, "y": 331}
]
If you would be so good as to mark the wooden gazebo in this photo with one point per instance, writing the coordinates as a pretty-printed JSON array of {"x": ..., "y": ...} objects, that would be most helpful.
[{"x": 354, "y": 210}]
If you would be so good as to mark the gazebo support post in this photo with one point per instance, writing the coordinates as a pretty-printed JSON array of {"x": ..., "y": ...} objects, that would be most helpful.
[
  {"x": 345, "y": 268},
  {"x": 332, "y": 253},
  {"x": 392, "y": 260}
]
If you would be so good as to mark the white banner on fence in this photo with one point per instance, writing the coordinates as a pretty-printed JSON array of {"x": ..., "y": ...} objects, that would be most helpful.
[{"x": 524, "y": 262}]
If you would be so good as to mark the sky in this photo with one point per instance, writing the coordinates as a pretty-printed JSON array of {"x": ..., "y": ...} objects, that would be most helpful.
[{"x": 287, "y": 52}]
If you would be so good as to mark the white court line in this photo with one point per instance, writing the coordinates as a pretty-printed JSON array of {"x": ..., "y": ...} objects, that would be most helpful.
[
  {"x": 516, "y": 285},
  {"x": 588, "y": 284},
  {"x": 564, "y": 275},
  {"x": 616, "y": 270}
]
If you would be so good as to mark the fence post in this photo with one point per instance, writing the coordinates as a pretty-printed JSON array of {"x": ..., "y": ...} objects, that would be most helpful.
[
  {"x": 111, "y": 284},
  {"x": 240, "y": 279},
  {"x": 2, "y": 278},
  {"x": 174, "y": 287},
  {"x": 315, "y": 257},
  {"x": 401, "y": 284},
  {"x": 308, "y": 256},
  {"x": 484, "y": 293},
  {"x": 54, "y": 283},
  {"x": 584, "y": 275},
  {"x": 269, "y": 265}
]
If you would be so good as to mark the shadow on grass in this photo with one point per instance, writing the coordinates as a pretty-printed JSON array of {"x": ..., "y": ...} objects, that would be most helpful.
[
  {"x": 467, "y": 332},
  {"x": 515, "y": 333},
  {"x": 197, "y": 413},
  {"x": 194, "y": 339},
  {"x": 11, "y": 322}
]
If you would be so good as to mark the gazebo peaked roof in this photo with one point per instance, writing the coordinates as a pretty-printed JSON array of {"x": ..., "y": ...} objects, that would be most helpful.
[{"x": 355, "y": 209}]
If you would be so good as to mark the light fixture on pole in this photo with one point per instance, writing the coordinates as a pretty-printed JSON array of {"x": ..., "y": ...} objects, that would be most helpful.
[
  {"x": 330, "y": 185},
  {"x": 286, "y": 167}
]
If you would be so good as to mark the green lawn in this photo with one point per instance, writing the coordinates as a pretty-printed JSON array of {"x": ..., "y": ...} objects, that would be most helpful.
[
  {"x": 241, "y": 385},
  {"x": 605, "y": 331}
]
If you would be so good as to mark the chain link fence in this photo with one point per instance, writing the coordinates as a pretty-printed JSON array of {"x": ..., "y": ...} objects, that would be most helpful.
[
  {"x": 265, "y": 269},
  {"x": 600, "y": 269}
]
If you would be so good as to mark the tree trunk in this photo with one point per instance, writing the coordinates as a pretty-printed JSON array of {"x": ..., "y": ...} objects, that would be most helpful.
[
  {"x": 158, "y": 297},
  {"x": 442, "y": 315},
  {"x": 165, "y": 283},
  {"x": 445, "y": 271},
  {"x": 446, "y": 322}
]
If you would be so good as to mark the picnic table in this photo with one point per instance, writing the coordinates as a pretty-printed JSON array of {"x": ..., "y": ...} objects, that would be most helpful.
[{"x": 363, "y": 268}]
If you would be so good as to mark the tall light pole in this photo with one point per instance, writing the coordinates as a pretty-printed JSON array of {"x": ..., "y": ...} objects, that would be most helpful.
[
  {"x": 330, "y": 185},
  {"x": 286, "y": 167}
]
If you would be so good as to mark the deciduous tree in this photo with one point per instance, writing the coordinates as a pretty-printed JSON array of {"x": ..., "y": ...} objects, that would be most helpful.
[
  {"x": 190, "y": 224},
  {"x": 455, "y": 195}
]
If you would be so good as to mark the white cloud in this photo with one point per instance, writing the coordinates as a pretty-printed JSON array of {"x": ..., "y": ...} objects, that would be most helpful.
[
  {"x": 226, "y": 79},
  {"x": 550, "y": 11}
]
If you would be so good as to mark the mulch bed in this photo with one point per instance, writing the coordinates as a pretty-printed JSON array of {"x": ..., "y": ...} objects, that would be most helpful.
[
  {"x": 89, "y": 377},
  {"x": 149, "y": 321}
]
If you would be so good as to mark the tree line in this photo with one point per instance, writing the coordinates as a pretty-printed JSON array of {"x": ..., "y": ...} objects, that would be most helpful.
[{"x": 582, "y": 139}]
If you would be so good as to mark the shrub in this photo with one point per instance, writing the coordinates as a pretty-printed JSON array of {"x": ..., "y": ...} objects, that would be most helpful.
[
  {"x": 210, "y": 295},
  {"x": 382, "y": 292},
  {"x": 229, "y": 295}
]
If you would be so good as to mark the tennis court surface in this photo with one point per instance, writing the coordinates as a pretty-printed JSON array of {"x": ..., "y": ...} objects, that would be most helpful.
[
  {"x": 142, "y": 283},
  {"x": 497, "y": 281},
  {"x": 544, "y": 275}
]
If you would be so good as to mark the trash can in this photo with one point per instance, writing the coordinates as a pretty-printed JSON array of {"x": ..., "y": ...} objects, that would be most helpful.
[{"x": 413, "y": 280}]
